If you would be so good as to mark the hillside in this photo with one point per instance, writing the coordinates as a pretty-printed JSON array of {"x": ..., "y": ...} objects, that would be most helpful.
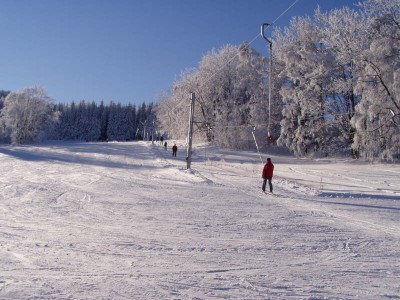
[{"x": 128, "y": 221}]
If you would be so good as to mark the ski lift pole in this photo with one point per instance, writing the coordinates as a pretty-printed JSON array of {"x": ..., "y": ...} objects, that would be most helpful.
[
  {"x": 255, "y": 141},
  {"x": 263, "y": 27},
  {"x": 190, "y": 133},
  {"x": 152, "y": 133}
]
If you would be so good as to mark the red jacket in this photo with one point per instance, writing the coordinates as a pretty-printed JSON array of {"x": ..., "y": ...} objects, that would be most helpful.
[{"x": 268, "y": 170}]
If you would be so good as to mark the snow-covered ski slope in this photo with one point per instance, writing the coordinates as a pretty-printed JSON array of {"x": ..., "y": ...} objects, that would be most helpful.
[{"x": 128, "y": 221}]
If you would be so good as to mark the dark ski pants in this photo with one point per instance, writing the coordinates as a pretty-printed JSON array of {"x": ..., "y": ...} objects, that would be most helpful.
[
  {"x": 174, "y": 153},
  {"x": 265, "y": 183}
]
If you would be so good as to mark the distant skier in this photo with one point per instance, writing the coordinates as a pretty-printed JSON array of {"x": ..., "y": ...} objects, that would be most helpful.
[
  {"x": 267, "y": 174},
  {"x": 165, "y": 145},
  {"x": 174, "y": 150},
  {"x": 162, "y": 140}
]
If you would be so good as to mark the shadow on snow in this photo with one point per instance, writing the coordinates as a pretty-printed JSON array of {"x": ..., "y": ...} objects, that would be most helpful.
[{"x": 42, "y": 154}]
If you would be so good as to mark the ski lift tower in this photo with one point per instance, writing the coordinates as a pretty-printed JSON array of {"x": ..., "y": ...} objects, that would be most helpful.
[
  {"x": 263, "y": 28},
  {"x": 190, "y": 132}
]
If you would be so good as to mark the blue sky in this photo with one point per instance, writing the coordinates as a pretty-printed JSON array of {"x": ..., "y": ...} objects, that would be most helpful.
[{"x": 126, "y": 50}]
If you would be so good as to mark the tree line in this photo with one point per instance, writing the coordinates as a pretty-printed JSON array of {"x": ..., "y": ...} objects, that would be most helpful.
[
  {"x": 335, "y": 87},
  {"x": 30, "y": 115},
  {"x": 113, "y": 122}
]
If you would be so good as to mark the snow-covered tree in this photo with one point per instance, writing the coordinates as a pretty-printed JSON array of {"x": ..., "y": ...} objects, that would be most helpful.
[
  {"x": 231, "y": 89},
  {"x": 4, "y": 134},
  {"x": 3, "y": 95},
  {"x": 160, "y": 114},
  {"x": 307, "y": 66},
  {"x": 343, "y": 34},
  {"x": 338, "y": 78},
  {"x": 377, "y": 119},
  {"x": 28, "y": 114},
  {"x": 229, "y": 102}
]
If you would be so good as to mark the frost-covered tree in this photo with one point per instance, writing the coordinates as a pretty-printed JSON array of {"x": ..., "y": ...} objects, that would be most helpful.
[
  {"x": 232, "y": 90},
  {"x": 228, "y": 88},
  {"x": 343, "y": 34},
  {"x": 165, "y": 113},
  {"x": 3, "y": 95},
  {"x": 307, "y": 66},
  {"x": 338, "y": 78},
  {"x": 4, "y": 134},
  {"x": 377, "y": 119},
  {"x": 28, "y": 114},
  {"x": 340, "y": 87}
]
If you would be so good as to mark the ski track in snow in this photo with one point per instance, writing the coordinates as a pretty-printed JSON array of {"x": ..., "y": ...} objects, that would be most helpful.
[{"x": 128, "y": 221}]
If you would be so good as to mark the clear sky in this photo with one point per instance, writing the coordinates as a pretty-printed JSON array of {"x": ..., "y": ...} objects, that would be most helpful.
[{"x": 126, "y": 50}]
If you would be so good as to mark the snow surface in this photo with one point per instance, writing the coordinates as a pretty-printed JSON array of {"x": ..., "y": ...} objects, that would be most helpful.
[{"x": 128, "y": 221}]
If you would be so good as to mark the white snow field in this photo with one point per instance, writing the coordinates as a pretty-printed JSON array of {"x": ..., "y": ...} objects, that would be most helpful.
[{"x": 128, "y": 221}]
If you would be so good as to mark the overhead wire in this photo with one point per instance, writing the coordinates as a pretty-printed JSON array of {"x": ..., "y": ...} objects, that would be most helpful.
[
  {"x": 230, "y": 60},
  {"x": 252, "y": 41},
  {"x": 234, "y": 56},
  {"x": 285, "y": 11}
]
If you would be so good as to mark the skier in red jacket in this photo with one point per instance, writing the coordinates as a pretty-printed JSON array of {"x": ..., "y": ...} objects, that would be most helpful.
[{"x": 267, "y": 174}]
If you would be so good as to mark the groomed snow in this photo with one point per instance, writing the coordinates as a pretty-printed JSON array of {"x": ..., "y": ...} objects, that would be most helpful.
[{"x": 128, "y": 221}]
